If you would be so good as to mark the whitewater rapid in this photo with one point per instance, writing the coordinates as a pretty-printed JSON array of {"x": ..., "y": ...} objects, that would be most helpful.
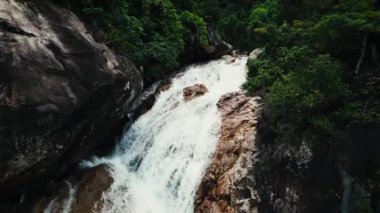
[{"x": 162, "y": 157}]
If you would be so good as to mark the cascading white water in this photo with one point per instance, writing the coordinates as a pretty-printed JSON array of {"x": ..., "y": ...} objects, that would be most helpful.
[{"x": 162, "y": 157}]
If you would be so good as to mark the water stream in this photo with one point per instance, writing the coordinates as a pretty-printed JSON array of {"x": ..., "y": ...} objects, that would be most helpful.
[{"x": 160, "y": 160}]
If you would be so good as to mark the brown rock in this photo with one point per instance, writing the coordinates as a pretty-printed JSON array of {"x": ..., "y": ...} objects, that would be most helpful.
[
  {"x": 166, "y": 85},
  {"x": 85, "y": 196},
  {"x": 93, "y": 184},
  {"x": 189, "y": 93},
  {"x": 232, "y": 161}
]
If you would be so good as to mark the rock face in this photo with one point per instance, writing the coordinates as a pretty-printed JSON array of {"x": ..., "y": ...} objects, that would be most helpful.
[
  {"x": 314, "y": 177},
  {"x": 216, "y": 47},
  {"x": 292, "y": 175},
  {"x": 359, "y": 163},
  {"x": 189, "y": 93},
  {"x": 225, "y": 185},
  {"x": 197, "y": 51},
  {"x": 61, "y": 93}
]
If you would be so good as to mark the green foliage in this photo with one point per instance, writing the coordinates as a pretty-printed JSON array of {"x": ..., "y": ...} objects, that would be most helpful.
[
  {"x": 335, "y": 25},
  {"x": 312, "y": 48},
  {"x": 305, "y": 69},
  {"x": 230, "y": 19},
  {"x": 358, "y": 6},
  {"x": 364, "y": 206},
  {"x": 312, "y": 83},
  {"x": 323, "y": 124},
  {"x": 163, "y": 35},
  {"x": 151, "y": 32},
  {"x": 259, "y": 17},
  {"x": 189, "y": 18},
  {"x": 262, "y": 74},
  {"x": 299, "y": 81}
]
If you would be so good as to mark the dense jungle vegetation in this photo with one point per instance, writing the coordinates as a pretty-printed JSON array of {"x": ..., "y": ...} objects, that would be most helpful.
[
  {"x": 320, "y": 67},
  {"x": 319, "y": 70}
]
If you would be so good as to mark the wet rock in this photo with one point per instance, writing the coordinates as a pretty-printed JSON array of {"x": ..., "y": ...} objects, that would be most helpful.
[
  {"x": 189, "y": 93},
  {"x": 84, "y": 195},
  {"x": 200, "y": 51},
  {"x": 229, "y": 59},
  {"x": 225, "y": 184},
  {"x": 216, "y": 46},
  {"x": 148, "y": 98},
  {"x": 55, "y": 204},
  {"x": 165, "y": 85},
  {"x": 255, "y": 53},
  {"x": 61, "y": 93},
  {"x": 91, "y": 188}
]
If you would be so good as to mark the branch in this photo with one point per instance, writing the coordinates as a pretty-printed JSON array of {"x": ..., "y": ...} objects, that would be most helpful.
[{"x": 364, "y": 46}]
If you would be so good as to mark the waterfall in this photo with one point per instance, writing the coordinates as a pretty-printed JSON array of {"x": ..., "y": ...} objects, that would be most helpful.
[{"x": 161, "y": 159}]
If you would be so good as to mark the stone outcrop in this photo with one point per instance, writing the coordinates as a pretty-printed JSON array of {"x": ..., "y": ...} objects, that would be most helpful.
[
  {"x": 189, "y": 93},
  {"x": 61, "y": 93},
  {"x": 225, "y": 184},
  {"x": 216, "y": 46},
  {"x": 293, "y": 175}
]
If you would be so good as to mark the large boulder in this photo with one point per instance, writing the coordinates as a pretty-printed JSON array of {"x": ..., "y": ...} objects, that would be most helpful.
[
  {"x": 197, "y": 51},
  {"x": 61, "y": 93},
  {"x": 216, "y": 46}
]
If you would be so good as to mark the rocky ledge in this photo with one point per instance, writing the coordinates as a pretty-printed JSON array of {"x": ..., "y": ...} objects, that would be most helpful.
[
  {"x": 61, "y": 93},
  {"x": 224, "y": 187}
]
